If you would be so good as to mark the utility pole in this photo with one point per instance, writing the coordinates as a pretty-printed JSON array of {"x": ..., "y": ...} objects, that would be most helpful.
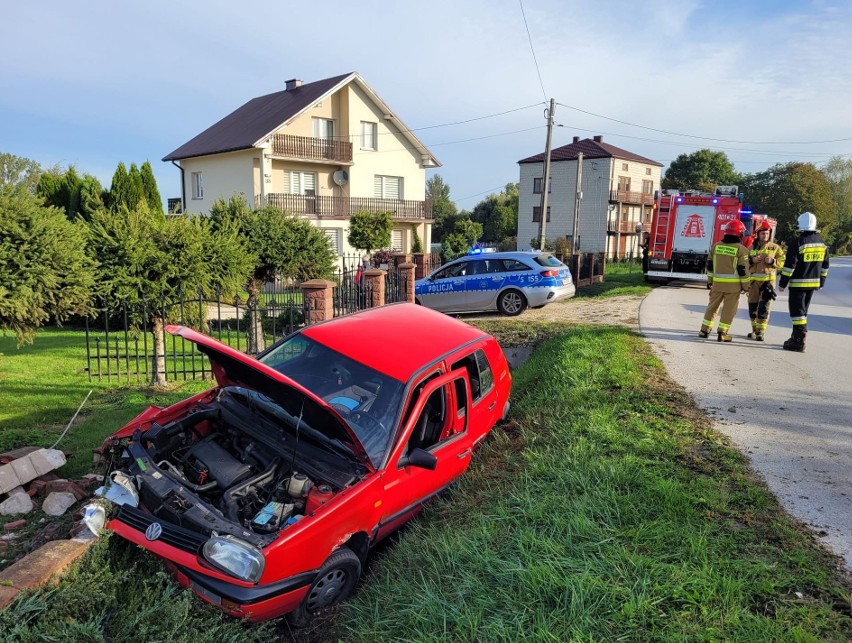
[
  {"x": 578, "y": 196},
  {"x": 545, "y": 182}
]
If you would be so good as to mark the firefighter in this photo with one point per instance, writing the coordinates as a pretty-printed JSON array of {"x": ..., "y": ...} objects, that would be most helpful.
[
  {"x": 805, "y": 271},
  {"x": 764, "y": 258},
  {"x": 727, "y": 275}
]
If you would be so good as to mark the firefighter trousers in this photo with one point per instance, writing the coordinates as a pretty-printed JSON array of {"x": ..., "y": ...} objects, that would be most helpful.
[
  {"x": 729, "y": 302},
  {"x": 799, "y": 302},
  {"x": 758, "y": 309}
]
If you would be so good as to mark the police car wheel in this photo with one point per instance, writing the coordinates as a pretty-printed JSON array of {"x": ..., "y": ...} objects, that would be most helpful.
[{"x": 511, "y": 303}]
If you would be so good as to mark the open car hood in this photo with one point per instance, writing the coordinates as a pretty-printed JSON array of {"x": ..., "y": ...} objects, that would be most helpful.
[{"x": 232, "y": 368}]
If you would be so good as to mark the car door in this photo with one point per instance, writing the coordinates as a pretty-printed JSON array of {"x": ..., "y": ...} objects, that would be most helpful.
[
  {"x": 406, "y": 487},
  {"x": 445, "y": 290},
  {"x": 484, "y": 283}
]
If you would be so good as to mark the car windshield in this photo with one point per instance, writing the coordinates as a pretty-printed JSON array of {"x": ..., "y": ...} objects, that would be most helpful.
[
  {"x": 549, "y": 261},
  {"x": 368, "y": 400}
]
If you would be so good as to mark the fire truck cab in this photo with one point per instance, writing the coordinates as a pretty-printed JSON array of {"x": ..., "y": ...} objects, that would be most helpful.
[{"x": 684, "y": 227}]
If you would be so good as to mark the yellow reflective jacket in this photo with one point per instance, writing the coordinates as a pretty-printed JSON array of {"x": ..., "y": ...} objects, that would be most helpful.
[
  {"x": 760, "y": 270},
  {"x": 727, "y": 266}
]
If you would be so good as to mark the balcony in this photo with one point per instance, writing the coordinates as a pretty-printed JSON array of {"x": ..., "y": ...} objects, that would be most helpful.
[
  {"x": 311, "y": 149},
  {"x": 626, "y": 196},
  {"x": 614, "y": 226},
  {"x": 341, "y": 207}
]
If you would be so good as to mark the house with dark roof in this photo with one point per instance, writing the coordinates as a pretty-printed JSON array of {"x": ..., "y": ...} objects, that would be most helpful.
[
  {"x": 322, "y": 150},
  {"x": 612, "y": 206}
]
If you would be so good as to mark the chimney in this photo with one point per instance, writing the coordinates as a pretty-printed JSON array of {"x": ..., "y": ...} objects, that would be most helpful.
[
  {"x": 598, "y": 139},
  {"x": 576, "y": 139},
  {"x": 292, "y": 84}
]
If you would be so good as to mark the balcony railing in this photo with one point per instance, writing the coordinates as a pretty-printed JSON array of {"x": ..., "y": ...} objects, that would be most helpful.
[
  {"x": 342, "y": 207},
  {"x": 313, "y": 149},
  {"x": 626, "y": 196},
  {"x": 623, "y": 227}
]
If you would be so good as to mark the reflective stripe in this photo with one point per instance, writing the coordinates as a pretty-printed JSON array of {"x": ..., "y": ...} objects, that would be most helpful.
[
  {"x": 708, "y": 323},
  {"x": 723, "y": 327},
  {"x": 726, "y": 278},
  {"x": 804, "y": 283},
  {"x": 824, "y": 273},
  {"x": 762, "y": 276},
  {"x": 802, "y": 318},
  {"x": 800, "y": 322},
  {"x": 786, "y": 271}
]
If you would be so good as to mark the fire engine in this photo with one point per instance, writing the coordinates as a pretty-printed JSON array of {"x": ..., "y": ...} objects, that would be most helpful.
[{"x": 684, "y": 227}]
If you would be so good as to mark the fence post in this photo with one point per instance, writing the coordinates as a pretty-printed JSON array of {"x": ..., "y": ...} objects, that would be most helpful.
[
  {"x": 421, "y": 268},
  {"x": 400, "y": 258},
  {"x": 406, "y": 273},
  {"x": 317, "y": 295},
  {"x": 374, "y": 281}
]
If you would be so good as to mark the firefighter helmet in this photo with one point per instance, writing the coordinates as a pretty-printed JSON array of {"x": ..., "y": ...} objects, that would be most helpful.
[
  {"x": 734, "y": 227},
  {"x": 806, "y": 222},
  {"x": 764, "y": 226}
]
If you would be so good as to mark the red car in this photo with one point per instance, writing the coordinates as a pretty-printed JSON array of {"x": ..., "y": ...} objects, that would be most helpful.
[{"x": 265, "y": 493}]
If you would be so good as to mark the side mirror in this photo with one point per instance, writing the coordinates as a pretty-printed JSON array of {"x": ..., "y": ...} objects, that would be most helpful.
[{"x": 421, "y": 459}]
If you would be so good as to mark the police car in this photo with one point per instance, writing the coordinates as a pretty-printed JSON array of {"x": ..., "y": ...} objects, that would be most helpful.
[{"x": 504, "y": 281}]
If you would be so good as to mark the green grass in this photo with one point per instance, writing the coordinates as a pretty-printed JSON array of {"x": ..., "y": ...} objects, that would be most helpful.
[
  {"x": 602, "y": 512},
  {"x": 620, "y": 278}
]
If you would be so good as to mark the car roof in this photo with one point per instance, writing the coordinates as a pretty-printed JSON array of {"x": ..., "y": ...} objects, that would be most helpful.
[
  {"x": 397, "y": 339},
  {"x": 513, "y": 254}
]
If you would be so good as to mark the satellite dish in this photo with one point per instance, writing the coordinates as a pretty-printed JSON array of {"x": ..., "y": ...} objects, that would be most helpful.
[{"x": 340, "y": 177}]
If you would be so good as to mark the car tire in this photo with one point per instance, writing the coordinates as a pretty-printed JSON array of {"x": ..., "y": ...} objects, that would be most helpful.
[
  {"x": 334, "y": 583},
  {"x": 511, "y": 303}
]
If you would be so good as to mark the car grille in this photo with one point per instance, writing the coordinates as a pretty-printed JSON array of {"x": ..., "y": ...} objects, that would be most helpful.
[{"x": 173, "y": 535}]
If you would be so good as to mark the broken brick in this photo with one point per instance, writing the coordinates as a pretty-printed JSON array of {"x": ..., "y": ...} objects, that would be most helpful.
[
  {"x": 15, "y": 524},
  {"x": 66, "y": 486}
]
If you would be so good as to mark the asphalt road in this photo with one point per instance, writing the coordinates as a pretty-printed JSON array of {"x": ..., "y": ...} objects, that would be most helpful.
[{"x": 791, "y": 413}]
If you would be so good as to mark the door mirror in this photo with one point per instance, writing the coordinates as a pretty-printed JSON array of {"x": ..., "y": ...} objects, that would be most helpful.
[{"x": 421, "y": 459}]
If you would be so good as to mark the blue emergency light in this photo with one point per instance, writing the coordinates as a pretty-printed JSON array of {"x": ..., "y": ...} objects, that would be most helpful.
[{"x": 714, "y": 201}]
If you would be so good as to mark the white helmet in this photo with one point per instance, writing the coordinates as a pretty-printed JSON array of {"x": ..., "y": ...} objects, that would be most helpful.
[{"x": 806, "y": 222}]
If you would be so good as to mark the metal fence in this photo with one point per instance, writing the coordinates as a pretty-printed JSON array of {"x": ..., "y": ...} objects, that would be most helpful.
[{"x": 120, "y": 340}]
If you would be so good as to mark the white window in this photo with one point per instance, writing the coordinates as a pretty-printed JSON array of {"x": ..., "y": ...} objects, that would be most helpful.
[
  {"x": 397, "y": 240},
  {"x": 323, "y": 128},
  {"x": 334, "y": 236},
  {"x": 624, "y": 167},
  {"x": 304, "y": 183},
  {"x": 197, "y": 185},
  {"x": 388, "y": 187},
  {"x": 369, "y": 135}
]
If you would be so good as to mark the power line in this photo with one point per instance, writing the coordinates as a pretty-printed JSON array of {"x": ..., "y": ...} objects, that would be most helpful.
[
  {"x": 706, "y": 138},
  {"x": 718, "y": 147},
  {"x": 532, "y": 49},
  {"x": 489, "y": 191},
  {"x": 479, "y": 138}
]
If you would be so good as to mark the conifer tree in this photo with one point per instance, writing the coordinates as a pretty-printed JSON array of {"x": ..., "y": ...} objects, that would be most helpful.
[
  {"x": 120, "y": 188},
  {"x": 149, "y": 187}
]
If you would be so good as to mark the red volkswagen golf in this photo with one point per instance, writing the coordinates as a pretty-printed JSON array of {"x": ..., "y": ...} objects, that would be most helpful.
[{"x": 265, "y": 493}]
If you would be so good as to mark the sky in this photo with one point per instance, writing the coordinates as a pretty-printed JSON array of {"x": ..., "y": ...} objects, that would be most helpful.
[{"x": 93, "y": 83}]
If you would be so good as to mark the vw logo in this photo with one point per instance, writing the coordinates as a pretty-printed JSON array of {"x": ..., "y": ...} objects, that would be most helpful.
[{"x": 154, "y": 531}]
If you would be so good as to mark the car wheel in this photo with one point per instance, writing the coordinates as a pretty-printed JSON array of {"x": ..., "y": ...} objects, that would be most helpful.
[
  {"x": 334, "y": 583},
  {"x": 511, "y": 303}
]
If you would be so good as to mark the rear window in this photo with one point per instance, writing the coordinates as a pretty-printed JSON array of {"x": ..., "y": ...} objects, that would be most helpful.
[{"x": 548, "y": 261}]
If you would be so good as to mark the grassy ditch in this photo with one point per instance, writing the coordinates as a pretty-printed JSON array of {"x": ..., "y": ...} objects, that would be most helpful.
[
  {"x": 622, "y": 278},
  {"x": 605, "y": 510}
]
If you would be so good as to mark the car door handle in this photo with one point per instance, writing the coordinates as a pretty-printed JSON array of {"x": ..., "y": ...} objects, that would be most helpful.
[
  {"x": 464, "y": 453},
  {"x": 492, "y": 405}
]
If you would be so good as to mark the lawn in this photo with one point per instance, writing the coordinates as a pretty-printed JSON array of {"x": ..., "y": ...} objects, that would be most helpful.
[{"x": 605, "y": 509}]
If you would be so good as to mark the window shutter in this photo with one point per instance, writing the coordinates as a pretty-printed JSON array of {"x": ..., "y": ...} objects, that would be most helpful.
[
  {"x": 333, "y": 235},
  {"x": 393, "y": 189},
  {"x": 288, "y": 182},
  {"x": 377, "y": 187},
  {"x": 309, "y": 182},
  {"x": 396, "y": 240}
]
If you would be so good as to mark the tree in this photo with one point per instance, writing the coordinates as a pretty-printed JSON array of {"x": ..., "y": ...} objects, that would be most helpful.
[
  {"x": 136, "y": 192},
  {"x": 77, "y": 196},
  {"x": 444, "y": 211},
  {"x": 465, "y": 234},
  {"x": 280, "y": 244},
  {"x": 45, "y": 267},
  {"x": 838, "y": 171},
  {"x": 146, "y": 258},
  {"x": 701, "y": 170},
  {"x": 149, "y": 187},
  {"x": 498, "y": 214},
  {"x": 786, "y": 190},
  {"x": 17, "y": 171},
  {"x": 120, "y": 187},
  {"x": 370, "y": 230}
]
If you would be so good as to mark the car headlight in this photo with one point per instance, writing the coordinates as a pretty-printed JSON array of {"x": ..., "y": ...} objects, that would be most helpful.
[
  {"x": 94, "y": 517},
  {"x": 235, "y": 557}
]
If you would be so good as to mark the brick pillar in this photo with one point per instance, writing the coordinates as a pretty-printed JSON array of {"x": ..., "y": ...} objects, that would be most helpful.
[
  {"x": 401, "y": 258},
  {"x": 318, "y": 300},
  {"x": 419, "y": 259},
  {"x": 406, "y": 272},
  {"x": 374, "y": 283}
]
